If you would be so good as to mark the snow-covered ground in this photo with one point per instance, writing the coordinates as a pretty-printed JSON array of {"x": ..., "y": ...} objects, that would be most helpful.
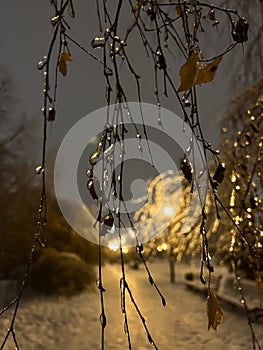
[{"x": 48, "y": 323}]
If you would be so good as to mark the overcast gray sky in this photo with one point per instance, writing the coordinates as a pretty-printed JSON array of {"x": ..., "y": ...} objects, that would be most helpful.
[{"x": 25, "y": 33}]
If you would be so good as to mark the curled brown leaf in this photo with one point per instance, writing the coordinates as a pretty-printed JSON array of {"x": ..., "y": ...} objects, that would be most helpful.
[
  {"x": 62, "y": 63},
  {"x": 214, "y": 312}
]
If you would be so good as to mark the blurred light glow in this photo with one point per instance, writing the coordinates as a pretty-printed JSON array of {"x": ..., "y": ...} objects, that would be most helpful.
[
  {"x": 168, "y": 211},
  {"x": 132, "y": 232},
  {"x": 114, "y": 245},
  {"x": 164, "y": 246}
]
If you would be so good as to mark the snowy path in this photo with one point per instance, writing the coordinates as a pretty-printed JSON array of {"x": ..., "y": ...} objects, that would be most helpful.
[{"x": 72, "y": 323}]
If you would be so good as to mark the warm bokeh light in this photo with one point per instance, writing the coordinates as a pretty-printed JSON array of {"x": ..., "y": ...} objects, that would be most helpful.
[
  {"x": 114, "y": 245},
  {"x": 132, "y": 232},
  {"x": 168, "y": 211},
  {"x": 164, "y": 246}
]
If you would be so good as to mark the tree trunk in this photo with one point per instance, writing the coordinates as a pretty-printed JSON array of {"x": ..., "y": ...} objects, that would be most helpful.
[{"x": 172, "y": 269}]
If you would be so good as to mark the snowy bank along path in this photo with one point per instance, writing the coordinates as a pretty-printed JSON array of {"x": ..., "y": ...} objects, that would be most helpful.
[{"x": 69, "y": 323}]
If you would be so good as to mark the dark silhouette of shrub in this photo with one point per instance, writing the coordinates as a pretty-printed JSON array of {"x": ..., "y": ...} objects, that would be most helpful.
[{"x": 61, "y": 273}]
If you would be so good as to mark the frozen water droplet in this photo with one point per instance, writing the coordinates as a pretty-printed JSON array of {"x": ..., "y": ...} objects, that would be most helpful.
[
  {"x": 41, "y": 64},
  {"x": 108, "y": 71},
  {"x": 139, "y": 136},
  {"x": 51, "y": 114},
  {"x": 108, "y": 220},
  {"x": 139, "y": 248},
  {"x": 158, "y": 52},
  {"x": 202, "y": 279},
  {"x": 106, "y": 175},
  {"x": 55, "y": 20},
  {"x": 150, "y": 339},
  {"x": 39, "y": 169},
  {"x": 125, "y": 328},
  {"x": 103, "y": 320},
  {"x": 100, "y": 286},
  {"x": 186, "y": 103},
  {"x": 107, "y": 127},
  {"x": 98, "y": 42}
]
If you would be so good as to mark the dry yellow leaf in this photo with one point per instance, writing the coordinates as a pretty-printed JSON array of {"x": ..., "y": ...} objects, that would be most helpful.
[
  {"x": 62, "y": 63},
  {"x": 214, "y": 312},
  {"x": 188, "y": 72},
  {"x": 207, "y": 72},
  {"x": 192, "y": 73}
]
